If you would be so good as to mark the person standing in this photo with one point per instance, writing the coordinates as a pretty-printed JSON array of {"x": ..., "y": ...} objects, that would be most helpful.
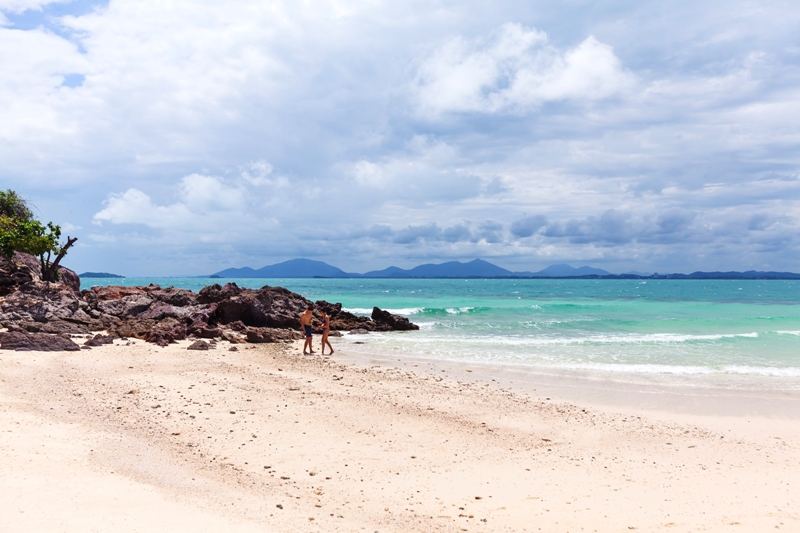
[
  {"x": 305, "y": 323},
  {"x": 326, "y": 329}
]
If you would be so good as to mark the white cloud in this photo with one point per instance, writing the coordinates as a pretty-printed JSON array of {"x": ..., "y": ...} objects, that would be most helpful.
[
  {"x": 207, "y": 208},
  {"x": 204, "y": 122},
  {"x": 517, "y": 70}
]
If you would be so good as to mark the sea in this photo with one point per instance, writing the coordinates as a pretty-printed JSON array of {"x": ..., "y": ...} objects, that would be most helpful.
[{"x": 737, "y": 334}]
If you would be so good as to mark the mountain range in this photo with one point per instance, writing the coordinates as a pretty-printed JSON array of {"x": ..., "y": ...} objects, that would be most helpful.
[{"x": 478, "y": 268}]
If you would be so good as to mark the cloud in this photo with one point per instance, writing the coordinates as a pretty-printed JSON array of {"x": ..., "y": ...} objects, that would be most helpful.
[
  {"x": 208, "y": 208},
  {"x": 528, "y": 226},
  {"x": 515, "y": 70},
  {"x": 372, "y": 133}
]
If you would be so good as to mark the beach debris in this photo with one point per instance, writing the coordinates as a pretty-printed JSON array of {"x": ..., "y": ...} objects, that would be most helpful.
[
  {"x": 199, "y": 345},
  {"x": 279, "y": 506},
  {"x": 233, "y": 349}
]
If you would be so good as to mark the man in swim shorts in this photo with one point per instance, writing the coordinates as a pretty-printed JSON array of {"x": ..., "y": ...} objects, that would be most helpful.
[{"x": 305, "y": 323}]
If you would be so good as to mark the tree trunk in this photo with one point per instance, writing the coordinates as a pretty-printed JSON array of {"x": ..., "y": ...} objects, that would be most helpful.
[{"x": 50, "y": 270}]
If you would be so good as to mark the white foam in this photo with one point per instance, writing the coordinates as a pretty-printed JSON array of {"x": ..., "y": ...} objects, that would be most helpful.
[
  {"x": 402, "y": 311},
  {"x": 460, "y": 310},
  {"x": 653, "y": 338},
  {"x": 795, "y": 333},
  {"x": 789, "y": 372}
]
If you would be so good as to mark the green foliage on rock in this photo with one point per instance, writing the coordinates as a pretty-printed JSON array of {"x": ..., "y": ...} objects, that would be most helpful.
[{"x": 21, "y": 232}]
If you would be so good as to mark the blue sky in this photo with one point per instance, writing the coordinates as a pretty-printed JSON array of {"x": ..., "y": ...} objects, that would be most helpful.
[{"x": 187, "y": 137}]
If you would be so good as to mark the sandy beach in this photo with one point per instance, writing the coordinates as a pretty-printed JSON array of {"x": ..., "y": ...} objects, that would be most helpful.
[{"x": 133, "y": 437}]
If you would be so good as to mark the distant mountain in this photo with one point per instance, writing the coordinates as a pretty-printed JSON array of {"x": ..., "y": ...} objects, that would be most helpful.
[
  {"x": 294, "y": 268},
  {"x": 452, "y": 269},
  {"x": 750, "y": 274},
  {"x": 563, "y": 271},
  {"x": 99, "y": 275},
  {"x": 478, "y": 268}
]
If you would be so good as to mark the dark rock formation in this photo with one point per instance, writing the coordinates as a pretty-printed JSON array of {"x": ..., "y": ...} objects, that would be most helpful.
[
  {"x": 393, "y": 322},
  {"x": 199, "y": 345},
  {"x": 39, "y": 342},
  {"x": 264, "y": 335},
  {"x": 165, "y": 315},
  {"x": 100, "y": 340}
]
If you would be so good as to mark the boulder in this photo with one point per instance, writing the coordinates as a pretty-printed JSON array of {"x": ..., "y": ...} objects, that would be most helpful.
[
  {"x": 394, "y": 322},
  {"x": 216, "y": 293},
  {"x": 199, "y": 345},
  {"x": 39, "y": 342},
  {"x": 174, "y": 297},
  {"x": 55, "y": 327},
  {"x": 161, "y": 310},
  {"x": 127, "y": 306},
  {"x": 270, "y": 335},
  {"x": 100, "y": 340},
  {"x": 69, "y": 278},
  {"x": 251, "y": 308}
]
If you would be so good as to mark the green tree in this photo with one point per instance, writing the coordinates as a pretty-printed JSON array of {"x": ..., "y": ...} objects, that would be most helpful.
[{"x": 20, "y": 231}]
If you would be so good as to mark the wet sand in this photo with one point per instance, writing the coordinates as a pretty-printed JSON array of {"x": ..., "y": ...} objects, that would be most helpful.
[{"x": 141, "y": 438}]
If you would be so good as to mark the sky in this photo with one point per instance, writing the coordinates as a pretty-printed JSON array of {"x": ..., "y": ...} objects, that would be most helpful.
[{"x": 181, "y": 138}]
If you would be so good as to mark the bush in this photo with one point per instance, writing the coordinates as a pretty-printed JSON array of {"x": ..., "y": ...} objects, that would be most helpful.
[{"x": 20, "y": 231}]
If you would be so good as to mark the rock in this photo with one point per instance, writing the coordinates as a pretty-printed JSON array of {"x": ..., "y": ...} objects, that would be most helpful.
[
  {"x": 114, "y": 292},
  {"x": 56, "y": 327},
  {"x": 199, "y": 345},
  {"x": 216, "y": 293},
  {"x": 358, "y": 331},
  {"x": 269, "y": 335},
  {"x": 396, "y": 323},
  {"x": 100, "y": 340},
  {"x": 174, "y": 297},
  {"x": 233, "y": 337},
  {"x": 69, "y": 278},
  {"x": 165, "y": 315},
  {"x": 207, "y": 332},
  {"x": 127, "y": 306},
  {"x": 161, "y": 310},
  {"x": 40, "y": 342}
]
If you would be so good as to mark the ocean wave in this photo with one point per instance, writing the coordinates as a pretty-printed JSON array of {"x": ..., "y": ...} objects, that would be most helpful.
[
  {"x": 407, "y": 311},
  {"x": 410, "y": 311},
  {"x": 458, "y": 311},
  {"x": 653, "y": 338},
  {"x": 795, "y": 333},
  {"x": 744, "y": 370}
]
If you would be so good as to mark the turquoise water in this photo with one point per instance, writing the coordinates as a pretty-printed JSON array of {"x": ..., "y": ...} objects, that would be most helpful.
[{"x": 722, "y": 333}]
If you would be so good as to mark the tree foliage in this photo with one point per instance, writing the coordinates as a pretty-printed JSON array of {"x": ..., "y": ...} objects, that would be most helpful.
[{"x": 20, "y": 231}]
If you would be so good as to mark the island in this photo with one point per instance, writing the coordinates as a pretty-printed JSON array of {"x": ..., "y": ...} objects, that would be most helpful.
[{"x": 100, "y": 275}]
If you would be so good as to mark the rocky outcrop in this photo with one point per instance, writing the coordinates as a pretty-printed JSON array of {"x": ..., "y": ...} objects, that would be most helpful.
[
  {"x": 393, "y": 322},
  {"x": 40, "y": 342},
  {"x": 263, "y": 335},
  {"x": 25, "y": 268},
  {"x": 165, "y": 315}
]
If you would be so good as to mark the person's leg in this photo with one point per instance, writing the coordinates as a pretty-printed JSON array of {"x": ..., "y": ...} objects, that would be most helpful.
[{"x": 326, "y": 341}]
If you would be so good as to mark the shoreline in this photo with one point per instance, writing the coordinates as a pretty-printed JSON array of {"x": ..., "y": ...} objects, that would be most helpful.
[
  {"x": 600, "y": 389},
  {"x": 264, "y": 438}
]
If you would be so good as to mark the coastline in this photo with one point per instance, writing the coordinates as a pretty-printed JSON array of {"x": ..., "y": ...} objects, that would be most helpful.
[{"x": 373, "y": 445}]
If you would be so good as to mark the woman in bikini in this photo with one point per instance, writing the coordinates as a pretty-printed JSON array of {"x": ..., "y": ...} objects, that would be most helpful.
[{"x": 326, "y": 329}]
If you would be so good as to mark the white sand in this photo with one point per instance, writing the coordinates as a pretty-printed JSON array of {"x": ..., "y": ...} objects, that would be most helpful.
[{"x": 141, "y": 438}]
